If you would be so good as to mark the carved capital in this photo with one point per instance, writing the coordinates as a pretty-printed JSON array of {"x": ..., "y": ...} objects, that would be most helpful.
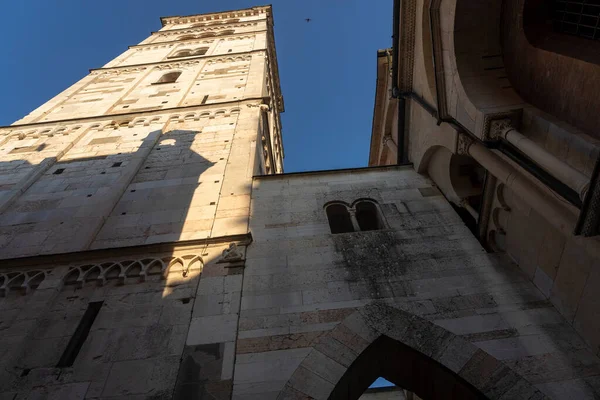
[
  {"x": 463, "y": 145},
  {"x": 497, "y": 124},
  {"x": 499, "y": 127}
]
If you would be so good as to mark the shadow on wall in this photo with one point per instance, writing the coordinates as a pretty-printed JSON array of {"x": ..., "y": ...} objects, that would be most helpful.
[
  {"x": 554, "y": 71},
  {"x": 118, "y": 324}
]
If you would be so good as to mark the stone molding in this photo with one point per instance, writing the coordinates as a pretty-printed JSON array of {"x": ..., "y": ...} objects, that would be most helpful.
[
  {"x": 216, "y": 16},
  {"x": 50, "y": 128},
  {"x": 161, "y": 64},
  {"x": 171, "y": 43},
  {"x": 342, "y": 346},
  {"x": 22, "y": 281},
  {"x": 138, "y": 269},
  {"x": 117, "y": 123},
  {"x": 184, "y": 31}
]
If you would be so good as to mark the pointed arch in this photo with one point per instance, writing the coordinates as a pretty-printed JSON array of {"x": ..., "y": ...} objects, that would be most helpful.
[{"x": 381, "y": 340}]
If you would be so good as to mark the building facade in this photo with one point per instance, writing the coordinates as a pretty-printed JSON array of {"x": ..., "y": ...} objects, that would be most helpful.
[{"x": 152, "y": 246}]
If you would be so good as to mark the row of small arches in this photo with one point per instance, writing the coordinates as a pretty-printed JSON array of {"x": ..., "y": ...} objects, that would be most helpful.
[
  {"x": 49, "y": 132},
  {"x": 205, "y": 114},
  {"x": 206, "y": 29},
  {"x": 126, "y": 123},
  {"x": 230, "y": 59},
  {"x": 137, "y": 270},
  {"x": 206, "y": 35},
  {"x": 21, "y": 281},
  {"x": 201, "y": 24},
  {"x": 190, "y": 52}
]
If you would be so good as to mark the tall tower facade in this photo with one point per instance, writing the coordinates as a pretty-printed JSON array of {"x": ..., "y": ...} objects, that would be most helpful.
[{"x": 118, "y": 192}]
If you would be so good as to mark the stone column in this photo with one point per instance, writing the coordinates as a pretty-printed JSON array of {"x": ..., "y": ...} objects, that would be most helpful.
[
  {"x": 548, "y": 206},
  {"x": 355, "y": 224},
  {"x": 559, "y": 169}
]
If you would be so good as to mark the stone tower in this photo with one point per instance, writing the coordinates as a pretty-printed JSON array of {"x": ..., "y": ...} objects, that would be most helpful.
[{"x": 132, "y": 179}]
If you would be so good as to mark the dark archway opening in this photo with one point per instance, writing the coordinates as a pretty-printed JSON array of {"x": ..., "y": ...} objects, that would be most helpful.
[
  {"x": 406, "y": 368},
  {"x": 367, "y": 216},
  {"x": 339, "y": 218}
]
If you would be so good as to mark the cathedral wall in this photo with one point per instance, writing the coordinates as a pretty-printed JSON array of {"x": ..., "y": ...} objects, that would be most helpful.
[
  {"x": 144, "y": 333},
  {"x": 158, "y": 178},
  {"x": 302, "y": 286}
]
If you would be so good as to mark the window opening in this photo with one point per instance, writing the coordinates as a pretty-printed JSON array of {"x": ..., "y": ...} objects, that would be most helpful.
[
  {"x": 170, "y": 77},
  {"x": 577, "y": 17},
  {"x": 59, "y": 171},
  {"x": 367, "y": 216},
  {"x": 204, "y": 99},
  {"x": 339, "y": 218},
  {"x": 81, "y": 333}
]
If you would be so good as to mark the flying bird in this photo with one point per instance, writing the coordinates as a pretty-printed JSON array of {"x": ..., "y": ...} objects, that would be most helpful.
[{"x": 308, "y": 20}]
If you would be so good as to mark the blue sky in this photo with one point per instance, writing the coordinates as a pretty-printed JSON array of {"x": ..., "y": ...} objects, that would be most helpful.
[{"x": 327, "y": 66}]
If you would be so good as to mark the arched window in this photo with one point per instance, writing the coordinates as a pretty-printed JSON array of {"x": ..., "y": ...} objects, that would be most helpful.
[
  {"x": 363, "y": 216},
  {"x": 339, "y": 218},
  {"x": 169, "y": 77},
  {"x": 367, "y": 216},
  {"x": 201, "y": 51},
  {"x": 207, "y": 34},
  {"x": 187, "y": 37},
  {"x": 182, "y": 53}
]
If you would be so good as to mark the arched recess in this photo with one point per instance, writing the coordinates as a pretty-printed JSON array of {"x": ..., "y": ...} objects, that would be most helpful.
[
  {"x": 380, "y": 340},
  {"x": 458, "y": 177},
  {"x": 473, "y": 78},
  {"x": 554, "y": 71}
]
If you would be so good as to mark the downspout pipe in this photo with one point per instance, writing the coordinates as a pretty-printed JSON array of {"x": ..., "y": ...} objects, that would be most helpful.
[{"x": 401, "y": 158}]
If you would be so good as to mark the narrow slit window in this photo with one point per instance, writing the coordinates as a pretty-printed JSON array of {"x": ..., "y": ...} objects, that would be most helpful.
[
  {"x": 81, "y": 333},
  {"x": 339, "y": 218},
  {"x": 204, "y": 99},
  {"x": 367, "y": 216}
]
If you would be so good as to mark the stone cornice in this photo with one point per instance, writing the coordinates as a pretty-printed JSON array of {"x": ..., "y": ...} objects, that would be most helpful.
[
  {"x": 200, "y": 29},
  {"x": 246, "y": 12},
  {"x": 141, "y": 67},
  {"x": 158, "y": 45},
  {"x": 129, "y": 115},
  {"x": 90, "y": 255}
]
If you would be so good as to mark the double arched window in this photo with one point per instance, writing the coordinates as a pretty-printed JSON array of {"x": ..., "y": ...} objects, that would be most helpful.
[
  {"x": 362, "y": 215},
  {"x": 190, "y": 52},
  {"x": 169, "y": 77}
]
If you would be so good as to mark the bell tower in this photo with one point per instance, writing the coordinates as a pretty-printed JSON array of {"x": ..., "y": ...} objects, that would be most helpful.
[
  {"x": 157, "y": 146},
  {"x": 124, "y": 214}
]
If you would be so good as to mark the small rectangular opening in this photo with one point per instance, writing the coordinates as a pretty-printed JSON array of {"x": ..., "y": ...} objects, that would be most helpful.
[
  {"x": 204, "y": 99},
  {"x": 81, "y": 333},
  {"x": 59, "y": 171},
  {"x": 117, "y": 164}
]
